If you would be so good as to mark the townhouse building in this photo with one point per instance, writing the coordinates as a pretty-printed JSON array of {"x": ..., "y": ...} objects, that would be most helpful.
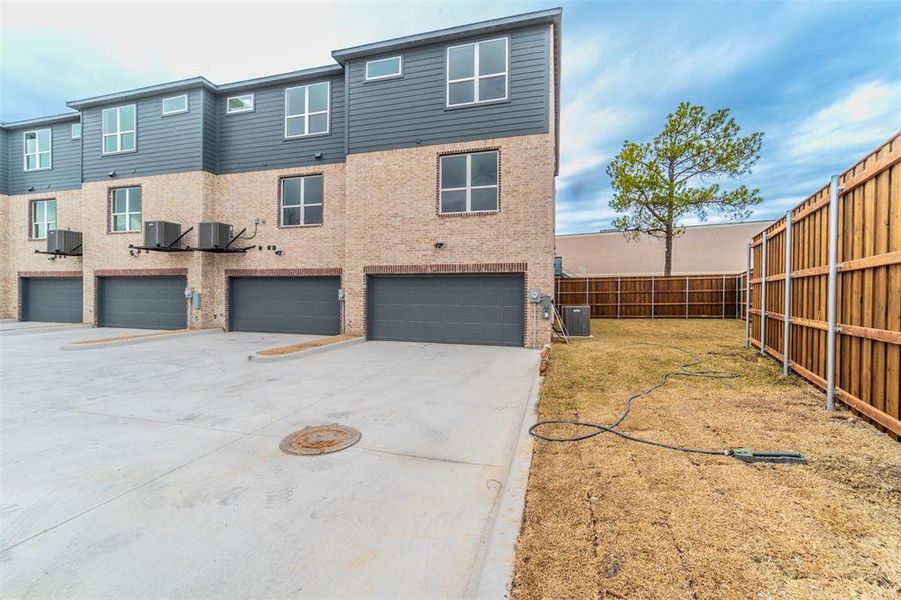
[{"x": 405, "y": 192}]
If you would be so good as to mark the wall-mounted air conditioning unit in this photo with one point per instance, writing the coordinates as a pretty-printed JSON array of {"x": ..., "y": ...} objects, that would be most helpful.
[
  {"x": 214, "y": 235},
  {"x": 63, "y": 241},
  {"x": 162, "y": 234}
]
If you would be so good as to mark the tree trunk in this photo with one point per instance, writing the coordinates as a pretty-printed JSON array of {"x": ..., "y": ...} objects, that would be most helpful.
[{"x": 668, "y": 260}]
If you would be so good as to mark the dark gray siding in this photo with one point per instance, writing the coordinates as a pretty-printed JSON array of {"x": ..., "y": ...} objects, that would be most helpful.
[
  {"x": 255, "y": 140},
  {"x": 65, "y": 172},
  {"x": 210, "y": 131},
  {"x": 4, "y": 162},
  {"x": 396, "y": 113},
  {"x": 165, "y": 144}
]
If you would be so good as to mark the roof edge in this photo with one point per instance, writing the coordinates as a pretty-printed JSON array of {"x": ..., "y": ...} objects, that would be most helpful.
[
  {"x": 520, "y": 20},
  {"x": 699, "y": 225},
  {"x": 60, "y": 118}
]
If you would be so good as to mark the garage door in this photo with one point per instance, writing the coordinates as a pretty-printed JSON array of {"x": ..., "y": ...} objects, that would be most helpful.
[
  {"x": 57, "y": 300},
  {"x": 285, "y": 305},
  {"x": 142, "y": 302},
  {"x": 456, "y": 309}
]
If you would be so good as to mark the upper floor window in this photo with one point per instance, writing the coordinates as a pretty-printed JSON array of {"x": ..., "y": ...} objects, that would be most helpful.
[
  {"x": 37, "y": 149},
  {"x": 43, "y": 218},
  {"x": 76, "y": 131},
  {"x": 119, "y": 129},
  {"x": 477, "y": 72},
  {"x": 301, "y": 201},
  {"x": 239, "y": 104},
  {"x": 469, "y": 182},
  {"x": 306, "y": 109},
  {"x": 175, "y": 105},
  {"x": 384, "y": 68},
  {"x": 125, "y": 209}
]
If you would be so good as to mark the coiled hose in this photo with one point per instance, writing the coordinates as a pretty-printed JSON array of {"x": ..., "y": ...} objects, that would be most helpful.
[{"x": 600, "y": 428}]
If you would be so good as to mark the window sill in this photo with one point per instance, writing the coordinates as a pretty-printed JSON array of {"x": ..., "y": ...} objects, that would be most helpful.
[
  {"x": 122, "y": 232},
  {"x": 37, "y": 170},
  {"x": 471, "y": 213},
  {"x": 477, "y": 104},
  {"x": 300, "y": 226},
  {"x": 105, "y": 154},
  {"x": 290, "y": 138}
]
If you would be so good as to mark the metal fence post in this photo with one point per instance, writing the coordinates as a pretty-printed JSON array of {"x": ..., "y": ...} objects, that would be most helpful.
[
  {"x": 724, "y": 296},
  {"x": 763, "y": 298},
  {"x": 652, "y": 296},
  {"x": 748, "y": 299},
  {"x": 618, "y": 280},
  {"x": 786, "y": 324},
  {"x": 832, "y": 291},
  {"x": 686, "y": 296}
]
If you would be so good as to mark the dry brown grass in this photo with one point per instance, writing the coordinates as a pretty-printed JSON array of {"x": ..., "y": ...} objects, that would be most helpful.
[
  {"x": 133, "y": 336},
  {"x": 305, "y": 345},
  {"x": 607, "y": 518}
]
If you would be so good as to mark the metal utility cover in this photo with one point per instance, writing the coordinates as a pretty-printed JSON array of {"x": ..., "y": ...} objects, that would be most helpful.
[
  {"x": 285, "y": 305},
  {"x": 54, "y": 300},
  {"x": 142, "y": 302},
  {"x": 321, "y": 439},
  {"x": 454, "y": 309}
]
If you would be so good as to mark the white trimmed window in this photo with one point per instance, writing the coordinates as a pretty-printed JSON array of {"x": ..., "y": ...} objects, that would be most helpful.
[
  {"x": 307, "y": 109},
  {"x": 239, "y": 104},
  {"x": 43, "y": 218},
  {"x": 119, "y": 129},
  {"x": 477, "y": 72},
  {"x": 37, "y": 146},
  {"x": 125, "y": 209},
  {"x": 301, "y": 201},
  {"x": 175, "y": 105},
  {"x": 76, "y": 131},
  {"x": 383, "y": 68},
  {"x": 469, "y": 182}
]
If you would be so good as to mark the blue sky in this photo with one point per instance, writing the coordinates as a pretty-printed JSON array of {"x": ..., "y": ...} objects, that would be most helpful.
[{"x": 822, "y": 80}]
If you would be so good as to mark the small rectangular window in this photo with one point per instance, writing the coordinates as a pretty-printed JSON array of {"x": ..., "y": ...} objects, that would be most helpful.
[
  {"x": 307, "y": 109},
  {"x": 125, "y": 209},
  {"x": 239, "y": 104},
  {"x": 477, "y": 72},
  {"x": 301, "y": 202},
  {"x": 76, "y": 131},
  {"x": 175, "y": 105},
  {"x": 468, "y": 182},
  {"x": 43, "y": 218},
  {"x": 119, "y": 129},
  {"x": 36, "y": 148},
  {"x": 384, "y": 68}
]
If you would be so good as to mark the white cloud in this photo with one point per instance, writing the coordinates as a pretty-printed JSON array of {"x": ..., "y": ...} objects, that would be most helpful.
[{"x": 864, "y": 116}]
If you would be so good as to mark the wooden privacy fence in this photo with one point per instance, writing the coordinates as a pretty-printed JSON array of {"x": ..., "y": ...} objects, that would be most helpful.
[
  {"x": 838, "y": 321},
  {"x": 650, "y": 297}
]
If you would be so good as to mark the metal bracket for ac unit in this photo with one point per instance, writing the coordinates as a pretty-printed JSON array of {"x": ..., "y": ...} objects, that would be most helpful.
[
  {"x": 168, "y": 248},
  {"x": 73, "y": 253},
  {"x": 226, "y": 249}
]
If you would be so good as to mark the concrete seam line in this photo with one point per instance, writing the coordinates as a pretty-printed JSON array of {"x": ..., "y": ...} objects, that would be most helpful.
[
  {"x": 494, "y": 572},
  {"x": 138, "y": 340},
  {"x": 51, "y": 329}
]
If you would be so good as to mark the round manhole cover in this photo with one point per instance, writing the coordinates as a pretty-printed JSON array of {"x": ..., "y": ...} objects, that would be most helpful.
[{"x": 321, "y": 439}]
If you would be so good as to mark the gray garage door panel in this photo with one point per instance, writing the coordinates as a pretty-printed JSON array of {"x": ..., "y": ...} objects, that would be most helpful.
[
  {"x": 285, "y": 305},
  {"x": 455, "y": 309},
  {"x": 142, "y": 302},
  {"x": 56, "y": 300}
]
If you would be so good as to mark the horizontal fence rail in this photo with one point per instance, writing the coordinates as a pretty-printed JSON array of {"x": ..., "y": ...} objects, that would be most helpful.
[
  {"x": 835, "y": 319},
  {"x": 720, "y": 296}
]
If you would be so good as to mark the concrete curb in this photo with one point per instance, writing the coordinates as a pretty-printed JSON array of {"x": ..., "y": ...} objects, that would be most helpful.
[
  {"x": 47, "y": 329},
  {"x": 138, "y": 340},
  {"x": 496, "y": 572},
  {"x": 304, "y": 353}
]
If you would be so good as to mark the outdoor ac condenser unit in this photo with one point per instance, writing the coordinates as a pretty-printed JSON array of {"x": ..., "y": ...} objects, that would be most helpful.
[
  {"x": 215, "y": 235},
  {"x": 162, "y": 234},
  {"x": 63, "y": 241},
  {"x": 577, "y": 320}
]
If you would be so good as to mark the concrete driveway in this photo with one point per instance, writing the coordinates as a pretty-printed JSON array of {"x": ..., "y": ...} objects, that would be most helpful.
[{"x": 154, "y": 470}]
